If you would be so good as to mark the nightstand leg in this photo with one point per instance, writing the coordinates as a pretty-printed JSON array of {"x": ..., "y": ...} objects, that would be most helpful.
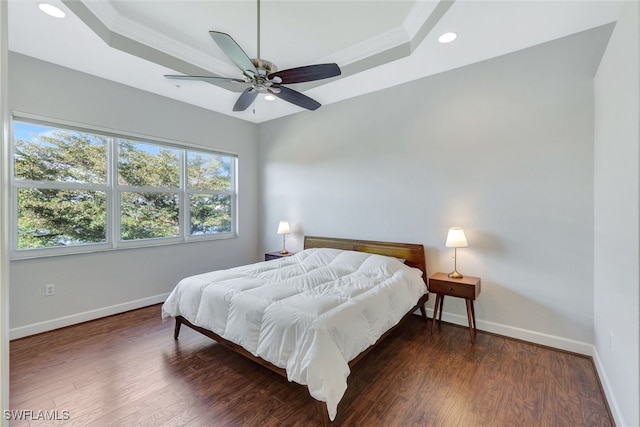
[
  {"x": 471, "y": 317},
  {"x": 437, "y": 305}
]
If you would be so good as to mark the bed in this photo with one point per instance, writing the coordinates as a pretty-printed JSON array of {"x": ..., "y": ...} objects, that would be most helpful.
[{"x": 310, "y": 317}]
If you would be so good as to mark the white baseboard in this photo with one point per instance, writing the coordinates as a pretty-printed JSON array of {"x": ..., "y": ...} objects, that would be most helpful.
[
  {"x": 61, "y": 322},
  {"x": 606, "y": 386},
  {"x": 521, "y": 334}
]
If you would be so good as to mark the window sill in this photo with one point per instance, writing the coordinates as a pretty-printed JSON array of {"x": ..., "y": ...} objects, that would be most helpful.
[{"x": 102, "y": 248}]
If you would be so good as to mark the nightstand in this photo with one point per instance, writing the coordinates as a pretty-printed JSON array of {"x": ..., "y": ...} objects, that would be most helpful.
[
  {"x": 467, "y": 287},
  {"x": 275, "y": 255}
]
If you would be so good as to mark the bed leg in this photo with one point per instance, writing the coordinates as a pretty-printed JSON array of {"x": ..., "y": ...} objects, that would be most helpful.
[
  {"x": 176, "y": 330},
  {"x": 423, "y": 311},
  {"x": 322, "y": 410}
]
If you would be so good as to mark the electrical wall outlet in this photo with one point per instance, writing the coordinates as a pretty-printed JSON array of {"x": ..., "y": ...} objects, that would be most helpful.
[
  {"x": 611, "y": 340},
  {"x": 49, "y": 289}
]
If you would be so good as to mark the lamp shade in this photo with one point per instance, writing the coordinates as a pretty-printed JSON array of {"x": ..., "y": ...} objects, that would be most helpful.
[
  {"x": 283, "y": 227},
  {"x": 456, "y": 238}
]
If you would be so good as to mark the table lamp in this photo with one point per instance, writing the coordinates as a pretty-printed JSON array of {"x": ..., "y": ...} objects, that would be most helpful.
[
  {"x": 456, "y": 239},
  {"x": 284, "y": 229}
]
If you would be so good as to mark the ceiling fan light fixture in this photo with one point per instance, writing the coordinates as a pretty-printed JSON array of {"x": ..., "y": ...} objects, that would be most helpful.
[
  {"x": 269, "y": 97},
  {"x": 51, "y": 10},
  {"x": 447, "y": 37}
]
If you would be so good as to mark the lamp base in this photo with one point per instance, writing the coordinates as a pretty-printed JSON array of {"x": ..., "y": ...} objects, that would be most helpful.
[
  {"x": 455, "y": 275},
  {"x": 284, "y": 251}
]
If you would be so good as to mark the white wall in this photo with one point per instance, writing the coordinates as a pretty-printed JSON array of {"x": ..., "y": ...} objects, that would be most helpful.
[
  {"x": 91, "y": 285},
  {"x": 503, "y": 148},
  {"x": 4, "y": 238},
  {"x": 617, "y": 217}
]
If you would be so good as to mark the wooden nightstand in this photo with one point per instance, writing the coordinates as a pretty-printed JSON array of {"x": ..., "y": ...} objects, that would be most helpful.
[
  {"x": 468, "y": 288},
  {"x": 275, "y": 255}
]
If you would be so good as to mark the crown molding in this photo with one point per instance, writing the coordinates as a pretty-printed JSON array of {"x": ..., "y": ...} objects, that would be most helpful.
[
  {"x": 135, "y": 38},
  {"x": 126, "y": 27},
  {"x": 418, "y": 16},
  {"x": 103, "y": 10},
  {"x": 369, "y": 47}
]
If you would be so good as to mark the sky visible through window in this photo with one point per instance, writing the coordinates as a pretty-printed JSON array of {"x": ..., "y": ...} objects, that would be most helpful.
[
  {"x": 32, "y": 132},
  {"x": 28, "y": 131}
]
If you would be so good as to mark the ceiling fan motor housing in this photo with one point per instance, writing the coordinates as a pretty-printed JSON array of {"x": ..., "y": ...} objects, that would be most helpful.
[
  {"x": 263, "y": 66},
  {"x": 261, "y": 82}
]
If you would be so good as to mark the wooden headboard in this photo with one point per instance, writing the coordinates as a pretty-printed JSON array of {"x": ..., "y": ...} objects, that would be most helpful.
[{"x": 413, "y": 254}]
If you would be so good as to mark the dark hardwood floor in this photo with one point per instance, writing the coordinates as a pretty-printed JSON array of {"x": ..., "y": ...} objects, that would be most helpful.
[{"x": 127, "y": 370}]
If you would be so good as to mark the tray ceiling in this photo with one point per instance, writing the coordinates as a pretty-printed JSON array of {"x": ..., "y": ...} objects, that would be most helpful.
[{"x": 377, "y": 44}]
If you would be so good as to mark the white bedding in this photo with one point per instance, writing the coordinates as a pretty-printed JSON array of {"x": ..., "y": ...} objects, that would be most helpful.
[{"x": 310, "y": 313}]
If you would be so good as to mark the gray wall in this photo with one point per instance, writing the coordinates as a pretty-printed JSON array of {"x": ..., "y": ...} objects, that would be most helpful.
[
  {"x": 92, "y": 285},
  {"x": 503, "y": 148},
  {"x": 617, "y": 218}
]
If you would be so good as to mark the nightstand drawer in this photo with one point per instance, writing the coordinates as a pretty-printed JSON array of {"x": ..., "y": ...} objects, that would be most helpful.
[
  {"x": 276, "y": 255},
  {"x": 456, "y": 287},
  {"x": 453, "y": 289}
]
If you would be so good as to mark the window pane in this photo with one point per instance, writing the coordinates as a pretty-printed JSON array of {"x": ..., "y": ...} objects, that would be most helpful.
[
  {"x": 49, "y": 218},
  {"x": 208, "y": 171},
  {"x": 148, "y": 165},
  {"x": 210, "y": 214},
  {"x": 48, "y": 154},
  {"x": 148, "y": 215}
]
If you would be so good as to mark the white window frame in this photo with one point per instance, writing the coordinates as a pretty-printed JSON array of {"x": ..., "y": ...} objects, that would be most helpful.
[{"x": 113, "y": 191}]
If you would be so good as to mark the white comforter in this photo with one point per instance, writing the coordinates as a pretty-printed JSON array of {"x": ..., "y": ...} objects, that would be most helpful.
[{"x": 310, "y": 313}]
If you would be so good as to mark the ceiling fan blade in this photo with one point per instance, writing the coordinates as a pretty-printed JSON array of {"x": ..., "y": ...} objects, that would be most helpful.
[
  {"x": 307, "y": 73},
  {"x": 246, "y": 98},
  {"x": 234, "y": 52},
  {"x": 203, "y": 78},
  {"x": 296, "y": 98}
]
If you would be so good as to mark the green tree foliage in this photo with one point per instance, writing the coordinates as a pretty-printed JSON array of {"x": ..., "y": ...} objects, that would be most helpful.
[
  {"x": 49, "y": 218},
  {"x": 149, "y": 207},
  {"x": 62, "y": 156},
  {"x": 148, "y": 214},
  {"x": 209, "y": 172},
  {"x": 58, "y": 217},
  {"x": 210, "y": 213},
  {"x": 145, "y": 165}
]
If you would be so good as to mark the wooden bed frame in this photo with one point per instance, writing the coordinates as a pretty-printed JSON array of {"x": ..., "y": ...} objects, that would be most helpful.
[{"x": 413, "y": 254}]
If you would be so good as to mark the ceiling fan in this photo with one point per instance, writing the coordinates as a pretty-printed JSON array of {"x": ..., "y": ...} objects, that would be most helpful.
[{"x": 263, "y": 77}]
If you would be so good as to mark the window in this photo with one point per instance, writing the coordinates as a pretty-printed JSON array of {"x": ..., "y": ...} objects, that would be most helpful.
[{"x": 77, "y": 190}]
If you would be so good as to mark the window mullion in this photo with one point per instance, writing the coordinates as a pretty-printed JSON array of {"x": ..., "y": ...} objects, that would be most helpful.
[
  {"x": 114, "y": 195},
  {"x": 234, "y": 193},
  {"x": 56, "y": 185},
  {"x": 185, "y": 214}
]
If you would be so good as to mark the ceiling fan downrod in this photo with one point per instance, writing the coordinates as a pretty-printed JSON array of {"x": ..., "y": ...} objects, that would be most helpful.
[{"x": 258, "y": 15}]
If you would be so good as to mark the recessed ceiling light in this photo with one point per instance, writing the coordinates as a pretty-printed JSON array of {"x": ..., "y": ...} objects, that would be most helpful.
[
  {"x": 51, "y": 10},
  {"x": 269, "y": 97},
  {"x": 447, "y": 37}
]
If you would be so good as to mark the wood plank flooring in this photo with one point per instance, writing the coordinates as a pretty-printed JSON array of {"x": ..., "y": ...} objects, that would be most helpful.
[{"x": 127, "y": 370}]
